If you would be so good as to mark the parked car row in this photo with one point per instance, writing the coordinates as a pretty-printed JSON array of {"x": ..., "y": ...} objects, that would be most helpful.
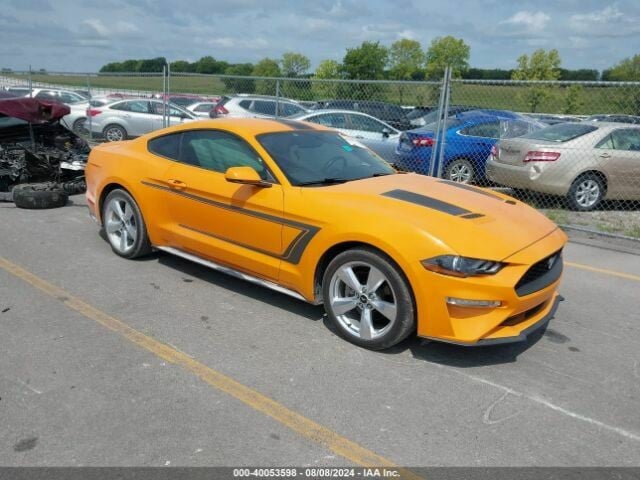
[{"x": 585, "y": 161}]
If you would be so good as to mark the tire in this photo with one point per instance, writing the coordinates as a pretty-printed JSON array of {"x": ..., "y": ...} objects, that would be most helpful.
[
  {"x": 79, "y": 126},
  {"x": 124, "y": 226},
  {"x": 352, "y": 295},
  {"x": 586, "y": 192},
  {"x": 114, "y": 133},
  {"x": 39, "y": 196},
  {"x": 460, "y": 170}
]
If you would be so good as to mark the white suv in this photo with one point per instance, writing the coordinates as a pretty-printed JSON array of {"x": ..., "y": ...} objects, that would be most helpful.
[{"x": 256, "y": 106}]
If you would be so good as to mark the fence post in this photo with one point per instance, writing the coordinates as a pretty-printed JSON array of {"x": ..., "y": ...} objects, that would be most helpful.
[
  {"x": 164, "y": 96},
  {"x": 89, "y": 116},
  {"x": 445, "y": 117},
  {"x": 436, "y": 138},
  {"x": 30, "y": 84},
  {"x": 277, "y": 98}
]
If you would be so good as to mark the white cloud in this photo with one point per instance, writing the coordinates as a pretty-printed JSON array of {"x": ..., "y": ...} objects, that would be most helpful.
[
  {"x": 531, "y": 21},
  {"x": 117, "y": 28},
  {"x": 605, "y": 16},
  {"x": 238, "y": 43},
  {"x": 608, "y": 22}
]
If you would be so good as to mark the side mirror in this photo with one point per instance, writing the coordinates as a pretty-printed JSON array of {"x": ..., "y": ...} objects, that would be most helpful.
[
  {"x": 245, "y": 176},
  {"x": 386, "y": 132}
]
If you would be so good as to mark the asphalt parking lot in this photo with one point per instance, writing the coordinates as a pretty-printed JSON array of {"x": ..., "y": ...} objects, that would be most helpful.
[{"x": 162, "y": 362}]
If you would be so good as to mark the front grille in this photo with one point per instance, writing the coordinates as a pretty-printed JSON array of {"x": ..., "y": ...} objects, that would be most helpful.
[{"x": 540, "y": 275}]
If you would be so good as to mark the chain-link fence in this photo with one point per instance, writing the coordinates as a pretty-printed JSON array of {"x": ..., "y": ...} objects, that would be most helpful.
[{"x": 571, "y": 149}]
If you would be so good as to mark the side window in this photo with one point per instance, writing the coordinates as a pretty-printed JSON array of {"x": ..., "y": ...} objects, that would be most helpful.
[
  {"x": 264, "y": 107},
  {"x": 606, "y": 142},
  {"x": 288, "y": 109},
  {"x": 123, "y": 106},
  {"x": 333, "y": 120},
  {"x": 246, "y": 104},
  {"x": 67, "y": 97},
  {"x": 139, "y": 106},
  {"x": 166, "y": 146},
  {"x": 204, "y": 107},
  {"x": 359, "y": 122},
  {"x": 218, "y": 151},
  {"x": 626, "y": 139},
  {"x": 486, "y": 130}
]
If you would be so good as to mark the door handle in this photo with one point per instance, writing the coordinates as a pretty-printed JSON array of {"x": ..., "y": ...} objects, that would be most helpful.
[
  {"x": 176, "y": 184},
  {"x": 605, "y": 155}
]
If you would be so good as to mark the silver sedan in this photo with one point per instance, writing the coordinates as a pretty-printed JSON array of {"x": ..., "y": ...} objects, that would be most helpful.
[
  {"x": 134, "y": 117},
  {"x": 375, "y": 134}
]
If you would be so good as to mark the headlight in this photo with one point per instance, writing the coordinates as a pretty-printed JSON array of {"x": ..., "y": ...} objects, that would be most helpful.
[{"x": 461, "y": 266}]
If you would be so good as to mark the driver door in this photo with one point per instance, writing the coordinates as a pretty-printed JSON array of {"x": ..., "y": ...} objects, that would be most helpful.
[{"x": 236, "y": 225}]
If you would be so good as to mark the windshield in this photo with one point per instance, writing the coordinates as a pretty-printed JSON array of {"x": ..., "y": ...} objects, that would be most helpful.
[
  {"x": 312, "y": 157},
  {"x": 561, "y": 132}
]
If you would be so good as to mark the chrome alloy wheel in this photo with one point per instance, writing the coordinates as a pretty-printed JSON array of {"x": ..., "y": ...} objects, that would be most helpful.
[
  {"x": 363, "y": 300},
  {"x": 120, "y": 225},
  {"x": 587, "y": 193},
  {"x": 114, "y": 134},
  {"x": 460, "y": 172}
]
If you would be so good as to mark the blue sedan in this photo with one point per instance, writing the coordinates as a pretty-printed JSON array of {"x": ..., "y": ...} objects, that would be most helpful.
[{"x": 469, "y": 138}]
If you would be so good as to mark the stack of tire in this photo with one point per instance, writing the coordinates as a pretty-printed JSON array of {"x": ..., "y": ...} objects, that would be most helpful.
[{"x": 38, "y": 196}]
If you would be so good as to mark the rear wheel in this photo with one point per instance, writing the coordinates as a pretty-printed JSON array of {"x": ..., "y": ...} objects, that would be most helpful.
[
  {"x": 124, "y": 226},
  {"x": 461, "y": 171},
  {"x": 368, "y": 299},
  {"x": 586, "y": 192},
  {"x": 79, "y": 126},
  {"x": 114, "y": 133}
]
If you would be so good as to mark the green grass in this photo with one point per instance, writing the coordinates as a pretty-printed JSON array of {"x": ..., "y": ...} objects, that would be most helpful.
[
  {"x": 633, "y": 231},
  {"x": 510, "y": 97}
]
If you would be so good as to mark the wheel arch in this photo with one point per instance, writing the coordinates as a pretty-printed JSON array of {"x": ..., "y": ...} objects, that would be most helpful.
[
  {"x": 106, "y": 190},
  {"x": 338, "y": 248},
  {"x": 599, "y": 173}
]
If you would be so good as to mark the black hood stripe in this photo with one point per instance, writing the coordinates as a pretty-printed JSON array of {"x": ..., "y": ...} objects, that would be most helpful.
[
  {"x": 428, "y": 202},
  {"x": 469, "y": 188},
  {"x": 476, "y": 190}
]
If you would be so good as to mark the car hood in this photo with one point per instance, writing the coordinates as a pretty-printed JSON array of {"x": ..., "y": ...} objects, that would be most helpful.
[{"x": 467, "y": 220}]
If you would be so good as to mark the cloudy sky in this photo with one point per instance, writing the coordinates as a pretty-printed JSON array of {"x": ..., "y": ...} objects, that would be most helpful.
[{"x": 62, "y": 35}]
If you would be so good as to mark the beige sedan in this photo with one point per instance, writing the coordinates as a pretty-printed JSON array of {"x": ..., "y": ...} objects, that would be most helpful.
[{"x": 585, "y": 162}]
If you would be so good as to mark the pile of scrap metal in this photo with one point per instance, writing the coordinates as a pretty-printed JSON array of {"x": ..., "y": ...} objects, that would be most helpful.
[{"x": 41, "y": 162}]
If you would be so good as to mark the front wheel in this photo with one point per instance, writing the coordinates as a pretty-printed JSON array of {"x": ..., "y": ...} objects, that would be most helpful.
[
  {"x": 461, "y": 171},
  {"x": 124, "y": 226},
  {"x": 368, "y": 299}
]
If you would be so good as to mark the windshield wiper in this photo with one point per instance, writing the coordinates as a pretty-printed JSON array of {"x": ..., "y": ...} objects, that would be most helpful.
[{"x": 324, "y": 181}]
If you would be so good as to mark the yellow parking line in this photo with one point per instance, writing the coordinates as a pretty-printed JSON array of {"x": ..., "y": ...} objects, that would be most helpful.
[
  {"x": 252, "y": 398},
  {"x": 628, "y": 276}
]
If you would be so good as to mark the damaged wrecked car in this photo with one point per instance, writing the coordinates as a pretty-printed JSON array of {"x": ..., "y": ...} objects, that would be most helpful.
[{"x": 41, "y": 162}]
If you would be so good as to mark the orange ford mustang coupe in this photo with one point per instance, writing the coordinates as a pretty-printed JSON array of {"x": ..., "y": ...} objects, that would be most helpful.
[{"x": 305, "y": 211}]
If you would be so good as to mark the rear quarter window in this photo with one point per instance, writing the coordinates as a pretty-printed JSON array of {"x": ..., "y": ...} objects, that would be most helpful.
[{"x": 167, "y": 146}]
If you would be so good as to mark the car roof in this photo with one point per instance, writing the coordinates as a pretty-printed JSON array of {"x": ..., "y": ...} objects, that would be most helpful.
[{"x": 246, "y": 126}]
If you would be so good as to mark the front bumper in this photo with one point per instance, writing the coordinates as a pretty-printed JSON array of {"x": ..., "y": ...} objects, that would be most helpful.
[
  {"x": 521, "y": 311},
  {"x": 507, "y": 334}
]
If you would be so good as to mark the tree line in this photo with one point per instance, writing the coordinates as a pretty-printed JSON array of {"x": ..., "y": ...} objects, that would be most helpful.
[{"x": 405, "y": 59}]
